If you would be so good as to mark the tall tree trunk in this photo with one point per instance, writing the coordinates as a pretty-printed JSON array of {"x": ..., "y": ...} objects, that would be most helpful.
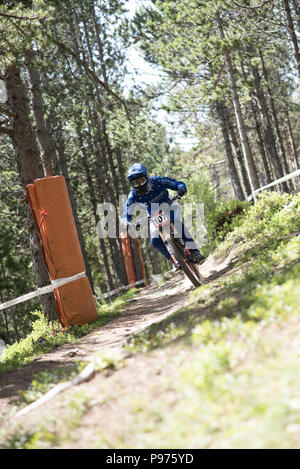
[
  {"x": 238, "y": 153},
  {"x": 29, "y": 168},
  {"x": 101, "y": 159},
  {"x": 117, "y": 173},
  {"x": 293, "y": 149},
  {"x": 65, "y": 173},
  {"x": 267, "y": 127},
  {"x": 264, "y": 158},
  {"x": 93, "y": 198},
  {"x": 100, "y": 46},
  {"x": 251, "y": 169},
  {"x": 292, "y": 140},
  {"x": 123, "y": 180},
  {"x": 5, "y": 336},
  {"x": 275, "y": 119},
  {"x": 46, "y": 145},
  {"x": 267, "y": 168},
  {"x": 106, "y": 155},
  {"x": 154, "y": 259},
  {"x": 296, "y": 5},
  {"x": 105, "y": 165},
  {"x": 216, "y": 179},
  {"x": 107, "y": 194},
  {"x": 292, "y": 33},
  {"x": 235, "y": 181}
]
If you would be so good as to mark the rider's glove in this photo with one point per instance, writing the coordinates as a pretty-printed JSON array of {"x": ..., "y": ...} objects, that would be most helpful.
[{"x": 180, "y": 191}]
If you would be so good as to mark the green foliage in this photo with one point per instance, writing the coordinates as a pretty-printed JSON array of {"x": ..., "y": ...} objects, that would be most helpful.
[
  {"x": 153, "y": 337},
  {"x": 141, "y": 139},
  {"x": 44, "y": 337},
  {"x": 42, "y": 382},
  {"x": 16, "y": 277},
  {"x": 223, "y": 218},
  {"x": 273, "y": 217}
]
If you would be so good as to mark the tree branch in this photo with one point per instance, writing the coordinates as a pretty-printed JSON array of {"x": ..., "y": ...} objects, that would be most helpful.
[
  {"x": 84, "y": 64},
  {"x": 69, "y": 51},
  {"x": 3, "y": 110},
  {"x": 6, "y": 131},
  {"x": 262, "y": 4},
  {"x": 6, "y": 15}
]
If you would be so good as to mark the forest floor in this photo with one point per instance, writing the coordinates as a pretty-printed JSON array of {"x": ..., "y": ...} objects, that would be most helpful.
[{"x": 154, "y": 387}]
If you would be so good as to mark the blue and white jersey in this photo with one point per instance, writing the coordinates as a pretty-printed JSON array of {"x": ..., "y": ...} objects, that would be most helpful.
[{"x": 157, "y": 194}]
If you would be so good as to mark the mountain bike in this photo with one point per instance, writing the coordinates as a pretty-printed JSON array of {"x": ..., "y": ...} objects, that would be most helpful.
[{"x": 174, "y": 243}]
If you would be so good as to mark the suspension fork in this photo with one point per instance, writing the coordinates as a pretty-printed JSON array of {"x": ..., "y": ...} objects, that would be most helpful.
[
  {"x": 165, "y": 240},
  {"x": 168, "y": 245},
  {"x": 179, "y": 238}
]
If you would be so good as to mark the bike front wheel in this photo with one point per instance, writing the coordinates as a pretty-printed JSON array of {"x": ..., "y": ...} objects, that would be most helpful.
[{"x": 189, "y": 268}]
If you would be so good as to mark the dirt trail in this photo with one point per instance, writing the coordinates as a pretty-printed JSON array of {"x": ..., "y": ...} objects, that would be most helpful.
[{"x": 150, "y": 305}]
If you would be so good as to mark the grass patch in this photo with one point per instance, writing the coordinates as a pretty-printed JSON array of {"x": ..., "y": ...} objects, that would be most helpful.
[
  {"x": 254, "y": 294},
  {"x": 273, "y": 217},
  {"x": 52, "y": 431},
  {"x": 236, "y": 387},
  {"x": 236, "y": 390},
  {"x": 45, "y": 380}
]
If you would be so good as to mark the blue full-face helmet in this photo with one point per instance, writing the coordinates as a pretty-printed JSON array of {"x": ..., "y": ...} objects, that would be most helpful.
[{"x": 138, "y": 176}]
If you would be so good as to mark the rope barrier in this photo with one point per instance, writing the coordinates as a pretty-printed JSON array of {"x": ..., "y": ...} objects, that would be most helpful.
[
  {"x": 274, "y": 183},
  {"x": 42, "y": 290},
  {"x": 58, "y": 283}
]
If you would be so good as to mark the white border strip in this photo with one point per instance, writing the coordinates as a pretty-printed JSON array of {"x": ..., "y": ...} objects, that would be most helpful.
[
  {"x": 278, "y": 181},
  {"x": 42, "y": 291}
]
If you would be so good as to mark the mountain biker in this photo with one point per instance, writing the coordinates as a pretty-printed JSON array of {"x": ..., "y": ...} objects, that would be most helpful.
[{"x": 154, "y": 190}]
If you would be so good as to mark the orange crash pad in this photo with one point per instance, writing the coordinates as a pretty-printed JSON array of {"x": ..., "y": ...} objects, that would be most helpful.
[{"x": 52, "y": 211}]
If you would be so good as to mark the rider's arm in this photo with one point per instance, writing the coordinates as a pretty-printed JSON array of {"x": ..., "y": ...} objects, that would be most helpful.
[
  {"x": 172, "y": 184},
  {"x": 130, "y": 207}
]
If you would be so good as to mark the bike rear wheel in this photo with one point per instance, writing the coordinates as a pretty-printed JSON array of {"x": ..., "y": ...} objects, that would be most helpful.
[{"x": 189, "y": 268}]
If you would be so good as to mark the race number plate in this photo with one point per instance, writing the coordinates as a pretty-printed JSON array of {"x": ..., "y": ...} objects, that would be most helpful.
[{"x": 159, "y": 219}]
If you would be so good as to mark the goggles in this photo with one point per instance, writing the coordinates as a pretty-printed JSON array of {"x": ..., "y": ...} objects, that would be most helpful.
[{"x": 138, "y": 182}]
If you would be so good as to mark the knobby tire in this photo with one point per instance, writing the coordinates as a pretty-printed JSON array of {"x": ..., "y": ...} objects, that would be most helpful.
[{"x": 189, "y": 268}]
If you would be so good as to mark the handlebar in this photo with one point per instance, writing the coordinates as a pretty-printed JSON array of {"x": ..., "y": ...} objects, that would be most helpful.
[
  {"x": 176, "y": 197},
  {"x": 139, "y": 222}
]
